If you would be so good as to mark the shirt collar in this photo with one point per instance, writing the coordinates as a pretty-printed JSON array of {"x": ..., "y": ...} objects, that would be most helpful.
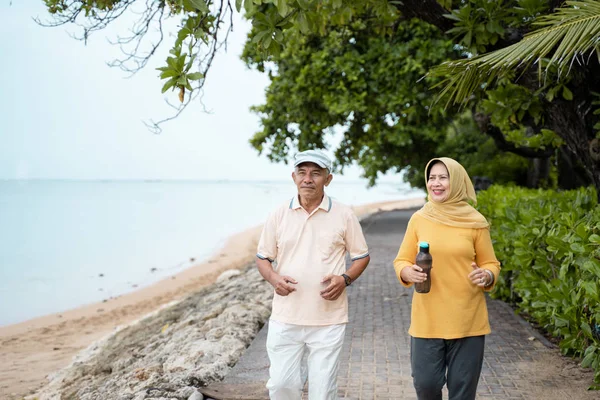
[{"x": 325, "y": 205}]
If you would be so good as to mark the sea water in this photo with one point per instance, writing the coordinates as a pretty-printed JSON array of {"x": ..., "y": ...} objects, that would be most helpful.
[{"x": 64, "y": 244}]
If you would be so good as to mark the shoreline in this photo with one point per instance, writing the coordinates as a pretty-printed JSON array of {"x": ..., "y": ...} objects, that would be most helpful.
[{"x": 36, "y": 348}]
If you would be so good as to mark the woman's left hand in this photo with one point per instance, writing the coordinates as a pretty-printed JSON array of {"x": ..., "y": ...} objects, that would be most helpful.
[{"x": 478, "y": 276}]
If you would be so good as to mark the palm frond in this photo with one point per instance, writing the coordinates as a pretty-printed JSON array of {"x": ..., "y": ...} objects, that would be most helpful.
[{"x": 569, "y": 33}]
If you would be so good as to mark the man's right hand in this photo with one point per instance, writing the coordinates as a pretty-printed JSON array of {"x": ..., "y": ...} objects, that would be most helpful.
[{"x": 282, "y": 285}]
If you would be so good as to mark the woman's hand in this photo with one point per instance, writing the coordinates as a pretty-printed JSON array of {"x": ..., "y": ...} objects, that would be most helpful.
[
  {"x": 413, "y": 273},
  {"x": 479, "y": 276}
]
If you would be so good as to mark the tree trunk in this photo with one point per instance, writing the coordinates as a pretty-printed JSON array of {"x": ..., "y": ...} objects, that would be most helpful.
[
  {"x": 571, "y": 174},
  {"x": 570, "y": 125},
  {"x": 539, "y": 172}
]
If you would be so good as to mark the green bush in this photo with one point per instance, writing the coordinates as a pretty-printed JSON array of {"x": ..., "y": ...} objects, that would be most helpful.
[{"x": 549, "y": 245}]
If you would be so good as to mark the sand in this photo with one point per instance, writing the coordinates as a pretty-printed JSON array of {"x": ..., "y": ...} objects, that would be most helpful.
[{"x": 33, "y": 349}]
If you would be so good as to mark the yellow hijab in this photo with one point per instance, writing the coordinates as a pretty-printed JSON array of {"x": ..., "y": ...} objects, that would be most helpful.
[{"x": 454, "y": 211}]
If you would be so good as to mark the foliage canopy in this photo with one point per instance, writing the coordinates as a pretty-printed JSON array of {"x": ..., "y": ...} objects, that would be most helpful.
[{"x": 366, "y": 69}]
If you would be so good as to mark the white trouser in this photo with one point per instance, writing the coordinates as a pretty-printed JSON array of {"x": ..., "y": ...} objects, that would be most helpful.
[{"x": 285, "y": 346}]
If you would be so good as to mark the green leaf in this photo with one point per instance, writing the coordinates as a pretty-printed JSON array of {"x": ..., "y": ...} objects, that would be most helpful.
[
  {"x": 249, "y": 6},
  {"x": 593, "y": 266},
  {"x": 558, "y": 321},
  {"x": 195, "y": 76},
  {"x": 200, "y": 5},
  {"x": 577, "y": 248},
  {"x": 588, "y": 359},
  {"x": 282, "y": 8},
  {"x": 591, "y": 289},
  {"x": 169, "y": 73},
  {"x": 303, "y": 23},
  {"x": 238, "y": 5},
  {"x": 567, "y": 94},
  {"x": 172, "y": 62},
  {"x": 581, "y": 231},
  {"x": 585, "y": 327},
  {"x": 303, "y": 4},
  {"x": 566, "y": 34},
  {"x": 594, "y": 239},
  {"x": 169, "y": 84},
  {"x": 452, "y": 16}
]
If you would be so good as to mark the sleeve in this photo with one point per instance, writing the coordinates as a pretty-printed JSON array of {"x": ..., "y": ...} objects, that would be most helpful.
[
  {"x": 355, "y": 241},
  {"x": 484, "y": 254},
  {"x": 267, "y": 245},
  {"x": 407, "y": 252}
]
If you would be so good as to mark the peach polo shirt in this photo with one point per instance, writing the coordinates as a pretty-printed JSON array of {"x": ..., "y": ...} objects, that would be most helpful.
[{"x": 308, "y": 247}]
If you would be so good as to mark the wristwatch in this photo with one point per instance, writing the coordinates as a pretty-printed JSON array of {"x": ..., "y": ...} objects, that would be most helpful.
[{"x": 347, "y": 279}]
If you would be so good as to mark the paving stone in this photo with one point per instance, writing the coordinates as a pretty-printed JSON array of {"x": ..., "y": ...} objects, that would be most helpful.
[{"x": 375, "y": 360}]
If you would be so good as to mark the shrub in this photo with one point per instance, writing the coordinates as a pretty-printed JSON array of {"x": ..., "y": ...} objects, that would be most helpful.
[{"x": 549, "y": 245}]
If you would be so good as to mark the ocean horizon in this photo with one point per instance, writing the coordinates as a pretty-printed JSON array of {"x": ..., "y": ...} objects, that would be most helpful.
[{"x": 67, "y": 243}]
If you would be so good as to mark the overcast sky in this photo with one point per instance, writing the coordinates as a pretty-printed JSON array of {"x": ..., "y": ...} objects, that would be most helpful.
[{"x": 65, "y": 114}]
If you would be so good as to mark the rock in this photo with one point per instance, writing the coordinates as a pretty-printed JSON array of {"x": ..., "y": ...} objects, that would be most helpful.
[
  {"x": 228, "y": 274},
  {"x": 206, "y": 334},
  {"x": 196, "y": 396}
]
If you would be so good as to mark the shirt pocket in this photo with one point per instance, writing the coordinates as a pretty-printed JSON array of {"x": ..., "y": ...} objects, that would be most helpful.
[{"x": 330, "y": 243}]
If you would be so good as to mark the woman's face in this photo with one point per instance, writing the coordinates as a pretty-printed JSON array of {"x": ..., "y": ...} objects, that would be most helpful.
[{"x": 438, "y": 183}]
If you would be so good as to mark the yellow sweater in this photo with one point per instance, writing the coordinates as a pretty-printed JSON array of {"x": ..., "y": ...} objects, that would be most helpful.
[{"x": 455, "y": 307}]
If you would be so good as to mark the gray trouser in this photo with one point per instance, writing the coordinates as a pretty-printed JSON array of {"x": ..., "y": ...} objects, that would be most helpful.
[{"x": 462, "y": 358}]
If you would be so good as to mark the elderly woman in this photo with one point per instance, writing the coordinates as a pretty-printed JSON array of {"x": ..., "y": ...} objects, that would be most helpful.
[{"x": 448, "y": 324}]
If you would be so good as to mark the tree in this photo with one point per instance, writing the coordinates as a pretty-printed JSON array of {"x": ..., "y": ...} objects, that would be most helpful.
[
  {"x": 553, "y": 120},
  {"x": 203, "y": 28},
  {"x": 356, "y": 81},
  {"x": 567, "y": 83},
  {"x": 368, "y": 86}
]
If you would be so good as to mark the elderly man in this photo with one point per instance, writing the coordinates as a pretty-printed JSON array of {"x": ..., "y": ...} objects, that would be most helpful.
[{"x": 309, "y": 236}]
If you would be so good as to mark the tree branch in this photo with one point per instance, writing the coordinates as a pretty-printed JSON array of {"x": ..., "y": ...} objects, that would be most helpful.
[
  {"x": 484, "y": 124},
  {"x": 429, "y": 11},
  {"x": 139, "y": 31}
]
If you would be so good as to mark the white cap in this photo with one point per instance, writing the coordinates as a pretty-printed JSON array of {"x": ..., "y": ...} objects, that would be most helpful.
[{"x": 314, "y": 156}]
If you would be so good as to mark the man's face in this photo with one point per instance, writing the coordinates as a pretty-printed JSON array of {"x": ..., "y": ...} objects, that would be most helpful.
[{"x": 311, "y": 180}]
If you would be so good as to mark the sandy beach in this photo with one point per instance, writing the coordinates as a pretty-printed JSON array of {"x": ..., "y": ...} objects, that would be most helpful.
[{"x": 33, "y": 349}]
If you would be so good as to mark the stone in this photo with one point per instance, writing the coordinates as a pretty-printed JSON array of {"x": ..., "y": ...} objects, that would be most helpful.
[
  {"x": 228, "y": 274},
  {"x": 196, "y": 396},
  {"x": 207, "y": 332}
]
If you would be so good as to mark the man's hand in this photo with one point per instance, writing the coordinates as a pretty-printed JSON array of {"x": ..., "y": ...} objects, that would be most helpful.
[
  {"x": 282, "y": 285},
  {"x": 336, "y": 286}
]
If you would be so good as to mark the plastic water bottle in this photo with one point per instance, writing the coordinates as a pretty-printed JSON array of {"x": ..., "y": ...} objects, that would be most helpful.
[{"x": 425, "y": 261}]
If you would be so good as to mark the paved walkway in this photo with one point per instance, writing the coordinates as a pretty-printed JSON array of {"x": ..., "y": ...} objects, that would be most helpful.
[{"x": 519, "y": 363}]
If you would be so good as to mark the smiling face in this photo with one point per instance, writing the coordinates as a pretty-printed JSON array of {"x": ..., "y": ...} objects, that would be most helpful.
[
  {"x": 311, "y": 180},
  {"x": 438, "y": 183}
]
